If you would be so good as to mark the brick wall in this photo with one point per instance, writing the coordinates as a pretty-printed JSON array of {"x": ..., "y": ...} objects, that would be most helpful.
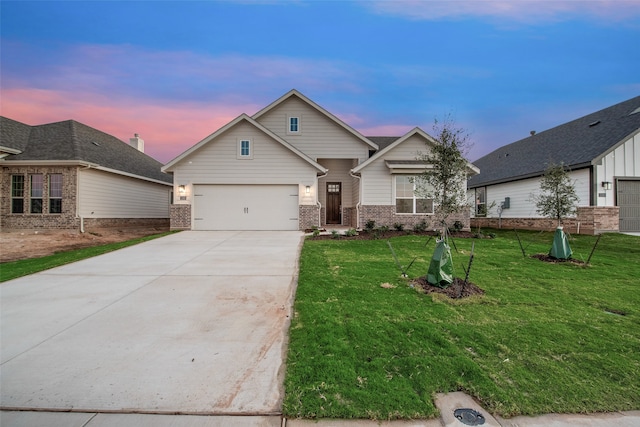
[
  {"x": 65, "y": 220},
  {"x": 308, "y": 216},
  {"x": 589, "y": 220},
  {"x": 386, "y": 215},
  {"x": 160, "y": 224},
  {"x": 180, "y": 217}
]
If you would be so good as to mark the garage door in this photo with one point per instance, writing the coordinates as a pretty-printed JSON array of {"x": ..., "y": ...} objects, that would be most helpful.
[
  {"x": 245, "y": 207},
  {"x": 628, "y": 198}
]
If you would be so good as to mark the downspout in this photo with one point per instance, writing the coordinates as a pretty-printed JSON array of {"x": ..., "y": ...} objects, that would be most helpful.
[
  {"x": 318, "y": 198},
  {"x": 351, "y": 174},
  {"x": 78, "y": 198}
]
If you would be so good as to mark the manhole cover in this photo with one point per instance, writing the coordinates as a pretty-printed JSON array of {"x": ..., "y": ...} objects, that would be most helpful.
[{"x": 469, "y": 417}]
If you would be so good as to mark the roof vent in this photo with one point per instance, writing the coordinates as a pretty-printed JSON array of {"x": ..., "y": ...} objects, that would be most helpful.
[
  {"x": 597, "y": 122},
  {"x": 533, "y": 132},
  {"x": 95, "y": 143}
]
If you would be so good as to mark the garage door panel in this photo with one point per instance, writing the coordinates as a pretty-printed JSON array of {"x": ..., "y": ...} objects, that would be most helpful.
[
  {"x": 628, "y": 199},
  {"x": 246, "y": 207}
]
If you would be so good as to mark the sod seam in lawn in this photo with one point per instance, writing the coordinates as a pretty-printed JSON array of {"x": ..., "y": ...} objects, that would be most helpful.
[
  {"x": 14, "y": 269},
  {"x": 545, "y": 338}
]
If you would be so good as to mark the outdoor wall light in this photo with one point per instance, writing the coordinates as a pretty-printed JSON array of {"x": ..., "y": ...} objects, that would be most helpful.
[
  {"x": 606, "y": 185},
  {"x": 307, "y": 189},
  {"x": 181, "y": 189}
]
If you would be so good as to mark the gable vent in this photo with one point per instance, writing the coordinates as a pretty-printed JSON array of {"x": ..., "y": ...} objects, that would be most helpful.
[{"x": 597, "y": 122}]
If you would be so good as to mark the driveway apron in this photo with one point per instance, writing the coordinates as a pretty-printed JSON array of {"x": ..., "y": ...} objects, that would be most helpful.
[{"x": 191, "y": 323}]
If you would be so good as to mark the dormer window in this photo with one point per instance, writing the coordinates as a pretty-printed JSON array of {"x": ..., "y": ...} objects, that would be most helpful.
[{"x": 294, "y": 125}]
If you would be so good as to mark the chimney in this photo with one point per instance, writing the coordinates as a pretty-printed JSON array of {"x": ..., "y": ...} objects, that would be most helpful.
[
  {"x": 533, "y": 132},
  {"x": 137, "y": 142}
]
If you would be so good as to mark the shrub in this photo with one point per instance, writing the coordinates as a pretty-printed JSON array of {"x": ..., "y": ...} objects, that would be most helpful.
[
  {"x": 457, "y": 226},
  {"x": 398, "y": 226},
  {"x": 383, "y": 228},
  {"x": 370, "y": 225},
  {"x": 335, "y": 234},
  {"x": 350, "y": 232},
  {"x": 420, "y": 227}
]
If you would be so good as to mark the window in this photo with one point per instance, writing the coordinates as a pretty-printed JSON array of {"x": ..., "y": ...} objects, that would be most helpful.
[
  {"x": 36, "y": 193},
  {"x": 481, "y": 201},
  {"x": 407, "y": 202},
  {"x": 55, "y": 193},
  {"x": 294, "y": 124},
  {"x": 17, "y": 194},
  {"x": 244, "y": 149}
]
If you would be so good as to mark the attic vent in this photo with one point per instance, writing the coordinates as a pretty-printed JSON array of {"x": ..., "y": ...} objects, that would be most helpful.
[
  {"x": 594, "y": 123},
  {"x": 637, "y": 110},
  {"x": 95, "y": 143}
]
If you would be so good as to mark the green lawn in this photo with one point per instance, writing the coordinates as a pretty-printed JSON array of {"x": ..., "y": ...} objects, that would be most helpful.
[
  {"x": 14, "y": 269},
  {"x": 543, "y": 339}
]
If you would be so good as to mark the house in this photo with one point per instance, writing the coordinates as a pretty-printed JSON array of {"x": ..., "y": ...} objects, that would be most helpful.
[
  {"x": 294, "y": 165},
  {"x": 602, "y": 153},
  {"x": 67, "y": 175}
]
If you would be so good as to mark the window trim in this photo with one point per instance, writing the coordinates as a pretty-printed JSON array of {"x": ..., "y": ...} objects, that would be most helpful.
[
  {"x": 15, "y": 198},
  {"x": 479, "y": 204},
  {"x": 32, "y": 197},
  {"x": 52, "y": 197},
  {"x": 297, "y": 125},
  {"x": 414, "y": 199},
  {"x": 239, "y": 154}
]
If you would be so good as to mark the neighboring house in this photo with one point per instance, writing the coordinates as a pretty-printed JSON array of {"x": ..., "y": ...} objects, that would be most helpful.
[
  {"x": 293, "y": 165},
  {"x": 602, "y": 153},
  {"x": 67, "y": 175}
]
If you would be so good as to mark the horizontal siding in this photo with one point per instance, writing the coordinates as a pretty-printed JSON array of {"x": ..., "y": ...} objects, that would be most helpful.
[
  {"x": 319, "y": 136},
  {"x": 622, "y": 162},
  {"x": 520, "y": 194},
  {"x": 106, "y": 195},
  {"x": 217, "y": 163},
  {"x": 377, "y": 181}
]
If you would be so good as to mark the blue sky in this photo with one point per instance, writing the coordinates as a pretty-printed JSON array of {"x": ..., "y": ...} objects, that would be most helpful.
[{"x": 176, "y": 71}]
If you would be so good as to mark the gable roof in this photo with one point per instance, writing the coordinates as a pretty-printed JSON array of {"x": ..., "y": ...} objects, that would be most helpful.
[
  {"x": 577, "y": 144},
  {"x": 71, "y": 141},
  {"x": 251, "y": 121},
  {"x": 294, "y": 92},
  {"x": 392, "y": 142}
]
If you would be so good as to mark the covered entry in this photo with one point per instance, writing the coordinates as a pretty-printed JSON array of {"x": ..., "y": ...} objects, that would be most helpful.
[
  {"x": 628, "y": 199},
  {"x": 245, "y": 207}
]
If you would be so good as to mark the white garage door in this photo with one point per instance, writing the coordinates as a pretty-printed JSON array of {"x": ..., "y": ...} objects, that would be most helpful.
[
  {"x": 629, "y": 202},
  {"x": 245, "y": 207}
]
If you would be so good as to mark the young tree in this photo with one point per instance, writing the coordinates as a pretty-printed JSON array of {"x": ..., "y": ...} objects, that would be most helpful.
[
  {"x": 445, "y": 180},
  {"x": 558, "y": 198}
]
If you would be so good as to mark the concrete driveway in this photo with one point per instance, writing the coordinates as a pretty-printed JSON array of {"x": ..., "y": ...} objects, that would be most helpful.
[{"x": 192, "y": 323}]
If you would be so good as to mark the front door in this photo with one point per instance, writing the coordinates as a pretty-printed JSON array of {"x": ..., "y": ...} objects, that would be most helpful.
[{"x": 334, "y": 202}]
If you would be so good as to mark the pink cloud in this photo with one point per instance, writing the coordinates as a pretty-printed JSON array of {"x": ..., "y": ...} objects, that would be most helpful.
[
  {"x": 168, "y": 130},
  {"x": 522, "y": 11}
]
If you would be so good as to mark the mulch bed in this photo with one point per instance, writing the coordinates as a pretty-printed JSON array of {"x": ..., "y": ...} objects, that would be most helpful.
[
  {"x": 547, "y": 258},
  {"x": 452, "y": 291},
  {"x": 374, "y": 235}
]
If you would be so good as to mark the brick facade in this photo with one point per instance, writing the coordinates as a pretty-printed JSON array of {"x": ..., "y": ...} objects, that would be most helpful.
[
  {"x": 589, "y": 220},
  {"x": 308, "y": 216},
  {"x": 180, "y": 217},
  {"x": 67, "y": 219},
  {"x": 386, "y": 215}
]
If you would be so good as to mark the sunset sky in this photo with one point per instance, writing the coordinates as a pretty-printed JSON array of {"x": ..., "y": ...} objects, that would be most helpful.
[{"x": 176, "y": 71}]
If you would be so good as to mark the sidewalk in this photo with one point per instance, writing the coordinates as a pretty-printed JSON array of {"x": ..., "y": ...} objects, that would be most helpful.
[{"x": 447, "y": 404}]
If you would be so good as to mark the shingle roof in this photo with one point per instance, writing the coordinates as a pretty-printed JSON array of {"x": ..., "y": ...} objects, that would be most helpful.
[
  {"x": 383, "y": 141},
  {"x": 71, "y": 140},
  {"x": 576, "y": 144}
]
